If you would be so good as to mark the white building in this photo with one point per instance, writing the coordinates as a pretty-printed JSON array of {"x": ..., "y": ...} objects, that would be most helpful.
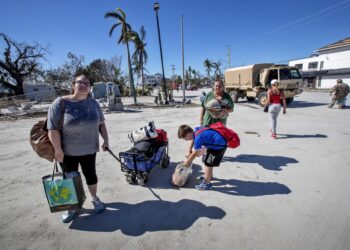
[
  {"x": 329, "y": 63},
  {"x": 151, "y": 80}
]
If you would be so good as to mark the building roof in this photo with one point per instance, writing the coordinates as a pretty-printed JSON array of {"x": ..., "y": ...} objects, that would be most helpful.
[{"x": 342, "y": 43}]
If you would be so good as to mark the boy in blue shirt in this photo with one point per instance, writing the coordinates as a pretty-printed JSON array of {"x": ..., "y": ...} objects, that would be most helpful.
[{"x": 211, "y": 140}]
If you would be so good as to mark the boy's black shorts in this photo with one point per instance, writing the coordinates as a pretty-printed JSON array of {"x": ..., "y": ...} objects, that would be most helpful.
[{"x": 213, "y": 157}]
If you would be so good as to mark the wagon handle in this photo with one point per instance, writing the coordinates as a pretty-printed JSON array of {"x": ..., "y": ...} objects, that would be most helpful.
[{"x": 113, "y": 155}]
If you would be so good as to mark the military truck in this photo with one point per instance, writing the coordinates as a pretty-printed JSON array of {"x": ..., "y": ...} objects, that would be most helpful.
[{"x": 253, "y": 81}]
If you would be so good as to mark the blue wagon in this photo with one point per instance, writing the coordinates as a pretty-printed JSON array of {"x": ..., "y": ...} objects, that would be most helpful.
[{"x": 137, "y": 166}]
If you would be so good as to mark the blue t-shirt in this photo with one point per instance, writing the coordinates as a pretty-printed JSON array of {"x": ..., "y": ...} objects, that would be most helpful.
[
  {"x": 80, "y": 127},
  {"x": 208, "y": 138}
]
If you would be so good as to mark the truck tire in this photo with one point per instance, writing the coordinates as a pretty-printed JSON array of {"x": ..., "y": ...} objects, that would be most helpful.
[
  {"x": 234, "y": 96},
  {"x": 250, "y": 99},
  {"x": 289, "y": 100},
  {"x": 262, "y": 99}
]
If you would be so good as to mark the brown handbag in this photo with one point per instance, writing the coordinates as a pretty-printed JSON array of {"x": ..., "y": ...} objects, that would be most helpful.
[{"x": 39, "y": 138}]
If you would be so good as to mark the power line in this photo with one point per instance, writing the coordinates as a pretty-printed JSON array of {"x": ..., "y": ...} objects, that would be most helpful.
[
  {"x": 319, "y": 14},
  {"x": 283, "y": 27}
]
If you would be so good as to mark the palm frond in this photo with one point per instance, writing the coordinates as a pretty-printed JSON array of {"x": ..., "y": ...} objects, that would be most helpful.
[
  {"x": 145, "y": 57},
  {"x": 121, "y": 12},
  {"x": 112, "y": 28},
  {"x": 142, "y": 33},
  {"x": 114, "y": 15}
]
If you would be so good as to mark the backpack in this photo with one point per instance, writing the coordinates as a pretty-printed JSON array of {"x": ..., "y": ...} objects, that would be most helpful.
[
  {"x": 146, "y": 148},
  {"x": 231, "y": 137},
  {"x": 39, "y": 138}
]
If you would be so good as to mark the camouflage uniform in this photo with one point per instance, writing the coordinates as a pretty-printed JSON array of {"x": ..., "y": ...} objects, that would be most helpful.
[{"x": 340, "y": 90}]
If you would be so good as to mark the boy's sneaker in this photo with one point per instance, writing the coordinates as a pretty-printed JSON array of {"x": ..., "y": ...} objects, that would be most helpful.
[
  {"x": 274, "y": 136},
  {"x": 204, "y": 186},
  {"x": 201, "y": 178},
  {"x": 68, "y": 216},
  {"x": 98, "y": 205}
]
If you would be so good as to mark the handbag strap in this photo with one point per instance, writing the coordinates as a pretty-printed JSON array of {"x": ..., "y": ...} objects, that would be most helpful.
[
  {"x": 54, "y": 168},
  {"x": 62, "y": 114}
]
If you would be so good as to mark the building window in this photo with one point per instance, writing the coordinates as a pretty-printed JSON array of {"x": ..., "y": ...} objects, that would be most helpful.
[
  {"x": 35, "y": 89},
  {"x": 299, "y": 66},
  {"x": 313, "y": 65},
  {"x": 321, "y": 65}
]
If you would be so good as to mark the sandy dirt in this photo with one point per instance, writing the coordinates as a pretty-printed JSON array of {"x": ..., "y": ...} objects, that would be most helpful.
[{"x": 289, "y": 193}]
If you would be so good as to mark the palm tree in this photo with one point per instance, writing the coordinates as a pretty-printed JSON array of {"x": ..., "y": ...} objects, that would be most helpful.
[
  {"x": 216, "y": 66},
  {"x": 140, "y": 56},
  {"x": 194, "y": 72},
  {"x": 189, "y": 72},
  {"x": 208, "y": 65},
  {"x": 125, "y": 37},
  {"x": 139, "y": 69}
]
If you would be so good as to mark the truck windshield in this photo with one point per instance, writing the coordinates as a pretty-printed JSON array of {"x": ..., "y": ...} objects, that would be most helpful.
[
  {"x": 285, "y": 74},
  {"x": 295, "y": 73}
]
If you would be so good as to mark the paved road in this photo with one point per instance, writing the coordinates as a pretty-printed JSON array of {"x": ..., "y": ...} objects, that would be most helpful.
[{"x": 289, "y": 193}]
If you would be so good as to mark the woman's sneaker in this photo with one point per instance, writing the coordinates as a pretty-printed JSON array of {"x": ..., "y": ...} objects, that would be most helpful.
[
  {"x": 98, "y": 205},
  {"x": 68, "y": 216},
  {"x": 203, "y": 186}
]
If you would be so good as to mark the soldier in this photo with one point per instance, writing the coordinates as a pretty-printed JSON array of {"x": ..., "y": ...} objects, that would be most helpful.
[{"x": 340, "y": 90}]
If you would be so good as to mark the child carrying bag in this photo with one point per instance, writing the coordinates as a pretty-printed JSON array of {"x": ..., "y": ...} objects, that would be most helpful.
[
  {"x": 64, "y": 193},
  {"x": 231, "y": 137}
]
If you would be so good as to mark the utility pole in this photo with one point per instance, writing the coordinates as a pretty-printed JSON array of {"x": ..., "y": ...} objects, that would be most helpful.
[
  {"x": 156, "y": 8},
  {"x": 183, "y": 60}
]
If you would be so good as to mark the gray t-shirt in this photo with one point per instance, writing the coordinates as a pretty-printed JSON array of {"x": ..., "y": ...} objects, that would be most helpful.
[{"x": 80, "y": 126}]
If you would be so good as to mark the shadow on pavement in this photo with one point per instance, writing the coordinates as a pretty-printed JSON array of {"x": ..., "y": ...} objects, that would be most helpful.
[
  {"x": 147, "y": 216},
  {"x": 125, "y": 110},
  {"x": 161, "y": 178},
  {"x": 303, "y": 104},
  {"x": 287, "y": 136},
  {"x": 249, "y": 188},
  {"x": 131, "y": 110},
  {"x": 268, "y": 162}
]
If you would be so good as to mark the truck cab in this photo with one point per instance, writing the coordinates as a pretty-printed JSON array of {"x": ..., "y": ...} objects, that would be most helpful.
[{"x": 253, "y": 81}]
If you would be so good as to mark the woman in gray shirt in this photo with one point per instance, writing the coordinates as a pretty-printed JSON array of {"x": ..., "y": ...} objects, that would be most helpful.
[{"x": 74, "y": 127}]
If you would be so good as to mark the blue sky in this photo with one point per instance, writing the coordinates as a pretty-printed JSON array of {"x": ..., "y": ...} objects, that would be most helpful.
[{"x": 256, "y": 31}]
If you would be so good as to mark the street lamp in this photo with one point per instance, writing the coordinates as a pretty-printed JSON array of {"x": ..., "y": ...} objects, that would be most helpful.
[{"x": 156, "y": 8}]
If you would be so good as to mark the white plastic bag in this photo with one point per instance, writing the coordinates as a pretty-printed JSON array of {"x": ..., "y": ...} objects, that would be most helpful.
[
  {"x": 181, "y": 174},
  {"x": 143, "y": 133},
  {"x": 215, "y": 108}
]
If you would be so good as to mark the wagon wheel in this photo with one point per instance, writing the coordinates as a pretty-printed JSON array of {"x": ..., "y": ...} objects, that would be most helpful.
[
  {"x": 142, "y": 180},
  {"x": 131, "y": 178},
  {"x": 165, "y": 162}
]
